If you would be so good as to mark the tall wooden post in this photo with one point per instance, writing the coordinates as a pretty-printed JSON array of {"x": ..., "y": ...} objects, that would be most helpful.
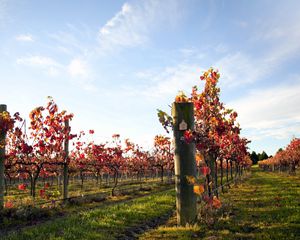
[
  {"x": 65, "y": 170},
  {"x": 185, "y": 164},
  {"x": 3, "y": 108}
]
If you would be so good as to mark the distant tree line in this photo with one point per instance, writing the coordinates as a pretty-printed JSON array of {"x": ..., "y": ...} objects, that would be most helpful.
[{"x": 255, "y": 157}]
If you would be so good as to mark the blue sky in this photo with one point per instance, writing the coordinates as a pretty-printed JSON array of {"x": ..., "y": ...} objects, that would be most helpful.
[{"x": 113, "y": 63}]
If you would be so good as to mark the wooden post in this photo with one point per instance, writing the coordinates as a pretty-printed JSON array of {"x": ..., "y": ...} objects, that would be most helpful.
[
  {"x": 212, "y": 166},
  {"x": 221, "y": 180},
  {"x": 216, "y": 177},
  {"x": 185, "y": 164},
  {"x": 65, "y": 170},
  {"x": 3, "y": 108}
]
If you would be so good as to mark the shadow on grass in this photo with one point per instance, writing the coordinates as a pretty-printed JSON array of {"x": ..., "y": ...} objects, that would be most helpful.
[{"x": 266, "y": 206}]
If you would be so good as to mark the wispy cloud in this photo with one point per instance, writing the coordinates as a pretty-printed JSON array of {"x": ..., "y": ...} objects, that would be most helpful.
[
  {"x": 279, "y": 37},
  {"x": 282, "y": 34},
  {"x": 191, "y": 53},
  {"x": 80, "y": 73},
  {"x": 236, "y": 69},
  {"x": 172, "y": 79},
  {"x": 165, "y": 83},
  {"x": 131, "y": 26},
  {"x": 47, "y": 64},
  {"x": 124, "y": 29},
  {"x": 272, "y": 112},
  {"x": 78, "y": 68},
  {"x": 25, "y": 38},
  {"x": 39, "y": 61},
  {"x": 239, "y": 68},
  {"x": 69, "y": 42}
]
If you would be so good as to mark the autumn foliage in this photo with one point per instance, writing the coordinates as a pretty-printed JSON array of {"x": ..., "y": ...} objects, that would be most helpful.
[
  {"x": 285, "y": 160},
  {"x": 38, "y": 150},
  {"x": 216, "y": 135}
]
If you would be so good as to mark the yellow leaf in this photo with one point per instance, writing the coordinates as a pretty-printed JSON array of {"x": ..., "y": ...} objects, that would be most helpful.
[
  {"x": 199, "y": 157},
  {"x": 181, "y": 97},
  {"x": 191, "y": 179},
  {"x": 198, "y": 189}
]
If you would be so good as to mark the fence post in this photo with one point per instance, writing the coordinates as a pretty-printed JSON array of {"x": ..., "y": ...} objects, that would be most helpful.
[
  {"x": 3, "y": 108},
  {"x": 65, "y": 165},
  {"x": 185, "y": 164}
]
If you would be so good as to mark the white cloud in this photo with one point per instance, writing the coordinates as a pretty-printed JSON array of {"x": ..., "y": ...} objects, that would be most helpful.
[
  {"x": 165, "y": 83},
  {"x": 39, "y": 61},
  {"x": 283, "y": 40},
  {"x": 25, "y": 38},
  {"x": 53, "y": 71},
  {"x": 171, "y": 80},
  {"x": 144, "y": 74},
  {"x": 68, "y": 42},
  {"x": 80, "y": 72},
  {"x": 132, "y": 24},
  {"x": 189, "y": 52},
  {"x": 78, "y": 68},
  {"x": 238, "y": 68},
  {"x": 272, "y": 112},
  {"x": 241, "y": 68},
  {"x": 124, "y": 29},
  {"x": 47, "y": 64},
  {"x": 279, "y": 37}
]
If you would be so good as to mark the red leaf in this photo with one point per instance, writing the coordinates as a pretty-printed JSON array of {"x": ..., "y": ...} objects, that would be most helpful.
[{"x": 205, "y": 170}]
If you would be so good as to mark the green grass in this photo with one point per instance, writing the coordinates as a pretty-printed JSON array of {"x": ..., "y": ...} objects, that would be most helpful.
[
  {"x": 90, "y": 187},
  {"x": 22, "y": 216},
  {"x": 266, "y": 206},
  {"x": 168, "y": 231},
  {"x": 102, "y": 223}
]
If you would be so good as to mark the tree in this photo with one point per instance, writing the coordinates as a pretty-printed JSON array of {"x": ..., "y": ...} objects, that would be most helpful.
[
  {"x": 163, "y": 154},
  {"x": 263, "y": 156},
  {"x": 115, "y": 160},
  {"x": 43, "y": 148},
  {"x": 137, "y": 158},
  {"x": 279, "y": 150},
  {"x": 6, "y": 124},
  {"x": 216, "y": 134},
  {"x": 254, "y": 157},
  {"x": 287, "y": 159},
  {"x": 97, "y": 157}
]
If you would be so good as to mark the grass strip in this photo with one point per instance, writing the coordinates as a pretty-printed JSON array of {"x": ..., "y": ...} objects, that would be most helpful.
[
  {"x": 105, "y": 223},
  {"x": 265, "y": 206}
]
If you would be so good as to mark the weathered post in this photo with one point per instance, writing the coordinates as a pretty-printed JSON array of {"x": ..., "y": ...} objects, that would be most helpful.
[
  {"x": 65, "y": 165},
  {"x": 3, "y": 108},
  {"x": 185, "y": 164}
]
